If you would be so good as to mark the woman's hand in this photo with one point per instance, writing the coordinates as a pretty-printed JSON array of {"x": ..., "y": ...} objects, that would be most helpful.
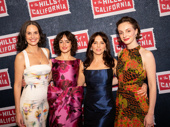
[
  {"x": 143, "y": 90},
  {"x": 19, "y": 120},
  {"x": 149, "y": 120},
  {"x": 23, "y": 83}
]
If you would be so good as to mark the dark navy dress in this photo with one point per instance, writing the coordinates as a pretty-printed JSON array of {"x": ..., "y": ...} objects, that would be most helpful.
[{"x": 99, "y": 101}]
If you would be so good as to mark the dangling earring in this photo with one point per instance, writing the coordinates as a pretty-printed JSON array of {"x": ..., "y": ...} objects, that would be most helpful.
[
  {"x": 104, "y": 49},
  {"x": 90, "y": 49},
  {"x": 26, "y": 42}
]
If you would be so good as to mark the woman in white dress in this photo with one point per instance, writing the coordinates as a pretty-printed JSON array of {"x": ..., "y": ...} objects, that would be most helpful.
[{"x": 33, "y": 64}]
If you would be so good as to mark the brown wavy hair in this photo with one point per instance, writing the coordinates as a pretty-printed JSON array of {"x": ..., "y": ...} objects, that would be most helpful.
[
  {"x": 21, "y": 39},
  {"x": 71, "y": 37},
  {"x": 107, "y": 57},
  {"x": 133, "y": 22}
]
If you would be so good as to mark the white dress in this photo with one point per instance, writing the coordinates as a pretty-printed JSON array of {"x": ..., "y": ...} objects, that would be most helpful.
[{"x": 33, "y": 102}]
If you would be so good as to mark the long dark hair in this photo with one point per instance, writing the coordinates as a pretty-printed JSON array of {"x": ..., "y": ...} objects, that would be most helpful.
[
  {"x": 108, "y": 59},
  {"x": 22, "y": 42},
  {"x": 71, "y": 37}
]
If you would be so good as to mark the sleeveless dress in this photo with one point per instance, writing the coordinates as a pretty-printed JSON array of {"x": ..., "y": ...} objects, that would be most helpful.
[
  {"x": 131, "y": 108},
  {"x": 33, "y": 102},
  {"x": 64, "y": 97},
  {"x": 99, "y": 101}
]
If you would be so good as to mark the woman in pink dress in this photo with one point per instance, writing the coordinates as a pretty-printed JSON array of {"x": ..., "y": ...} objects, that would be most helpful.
[{"x": 64, "y": 97}]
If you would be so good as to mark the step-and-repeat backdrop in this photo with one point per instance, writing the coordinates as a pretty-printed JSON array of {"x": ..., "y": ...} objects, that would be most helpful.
[{"x": 83, "y": 18}]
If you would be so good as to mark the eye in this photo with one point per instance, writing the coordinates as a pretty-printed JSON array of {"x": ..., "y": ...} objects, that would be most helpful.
[
  {"x": 60, "y": 41},
  {"x": 120, "y": 33},
  {"x": 129, "y": 31},
  {"x": 102, "y": 42},
  {"x": 67, "y": 42},
  {"x": 94, "y": 42},
  {"x": 28, "y": 33},
  {"x": 36, "y": 32}
]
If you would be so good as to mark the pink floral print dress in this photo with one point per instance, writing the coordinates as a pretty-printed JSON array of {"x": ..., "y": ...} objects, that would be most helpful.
[{"x": 64, "y": 97}]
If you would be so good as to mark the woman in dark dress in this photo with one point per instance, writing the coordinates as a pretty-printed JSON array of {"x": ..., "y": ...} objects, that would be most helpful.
[{"x": 97, "y": 72}]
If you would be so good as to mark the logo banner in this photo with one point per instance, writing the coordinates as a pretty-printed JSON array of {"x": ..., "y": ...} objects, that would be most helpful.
[{"x": 40, "y": 9}]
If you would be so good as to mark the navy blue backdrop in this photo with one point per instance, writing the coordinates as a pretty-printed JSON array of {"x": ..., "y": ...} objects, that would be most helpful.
[{"x": 82, "y": 18}]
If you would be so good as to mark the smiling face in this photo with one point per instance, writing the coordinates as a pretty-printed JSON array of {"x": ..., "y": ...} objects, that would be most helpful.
[
  {"x": 98, "y": 46},
  {"x": 127, "y": 33},
  {"x": 32, "y": 35},
  {"x": 65, "y": 45}
]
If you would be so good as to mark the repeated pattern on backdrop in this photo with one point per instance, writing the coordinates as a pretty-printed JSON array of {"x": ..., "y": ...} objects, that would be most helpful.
[{"x": 83, "y": 18}]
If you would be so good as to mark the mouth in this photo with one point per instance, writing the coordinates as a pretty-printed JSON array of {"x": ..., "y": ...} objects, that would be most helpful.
[
  {"x": 33, "y": 40},
  {"x": 98, "y": 50},
  {"x": 126, "y": 39},
  {"x": 64, "y": 48}
]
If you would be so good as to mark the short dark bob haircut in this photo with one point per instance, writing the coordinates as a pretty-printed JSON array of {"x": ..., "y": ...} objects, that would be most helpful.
[
  {"x": 71, "y": 37},
  {"x": 22, "y": 42},
  {"x": 108, "y": 59},
  {"x": 132, "y": 21}
]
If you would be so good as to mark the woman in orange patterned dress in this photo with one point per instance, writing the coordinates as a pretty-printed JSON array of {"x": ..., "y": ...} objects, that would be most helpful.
[{"x": 134, "y": 64}]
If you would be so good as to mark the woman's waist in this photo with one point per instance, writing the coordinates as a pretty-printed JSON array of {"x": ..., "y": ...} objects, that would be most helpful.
[
  {"x": 99, "y": 92},
  {"x": 34, "y": 100},
  {"x": 64, "y": 86},
  {"x": 99, "y": 87},
  {"x": 132, "y": 82},
  {"x": 134, "y": 87},
  {"x": 37, "y": 83},
  {"x": 34, "y": 95}
]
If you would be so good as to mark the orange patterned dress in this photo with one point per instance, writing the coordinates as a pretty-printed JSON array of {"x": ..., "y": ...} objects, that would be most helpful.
[{"x": 131, "y": 108}]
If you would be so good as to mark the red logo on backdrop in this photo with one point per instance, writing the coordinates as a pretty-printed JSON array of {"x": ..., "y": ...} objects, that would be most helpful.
[
  {"x": 163, "y": 81},
  {"x": 82, "y": 41},
  {"x": 147, "y": 41},
  {"x": 164, "y": 7},
  {"x": 103, "y": 8},
  {"x": 3, "y": 9},
  {"x": 51, "y": 41},
  {"x": 8, "y": 45},
  {"x": 40, "y": 9},
  {"x": 4, "y": 80},
  {"x": 7, "y": 116}
]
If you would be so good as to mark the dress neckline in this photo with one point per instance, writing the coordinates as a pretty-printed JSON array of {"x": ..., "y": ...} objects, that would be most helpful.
[
  {"x": 133, "y": 49},
  {"x": 64, "y": 60},
  {"x": 98, "y": 69}
]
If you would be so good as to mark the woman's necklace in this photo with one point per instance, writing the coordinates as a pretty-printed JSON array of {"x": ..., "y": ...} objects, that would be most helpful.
[{"x": 40, "y": 60}]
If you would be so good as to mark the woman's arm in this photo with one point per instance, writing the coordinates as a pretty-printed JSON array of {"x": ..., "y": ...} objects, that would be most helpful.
[
  {"x": 81, "y": 77},
  {"x": 19, "y": 69},
  {"x": 50, "y": 75},
  {"x": 115, "y": 80},
  {"x": 150, "y": 67}
]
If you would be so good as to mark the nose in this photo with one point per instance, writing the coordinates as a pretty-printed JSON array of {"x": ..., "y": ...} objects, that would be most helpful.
[
  {"x": 98, "y": 44},
  {"x": 124, "y": 35},
  {"x": 32, "y": 35},
  {"x": 64, "y": 43}
]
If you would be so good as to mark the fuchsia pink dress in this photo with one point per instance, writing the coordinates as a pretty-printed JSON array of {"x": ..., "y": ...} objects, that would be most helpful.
[{"x": 64, "y": 97}]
